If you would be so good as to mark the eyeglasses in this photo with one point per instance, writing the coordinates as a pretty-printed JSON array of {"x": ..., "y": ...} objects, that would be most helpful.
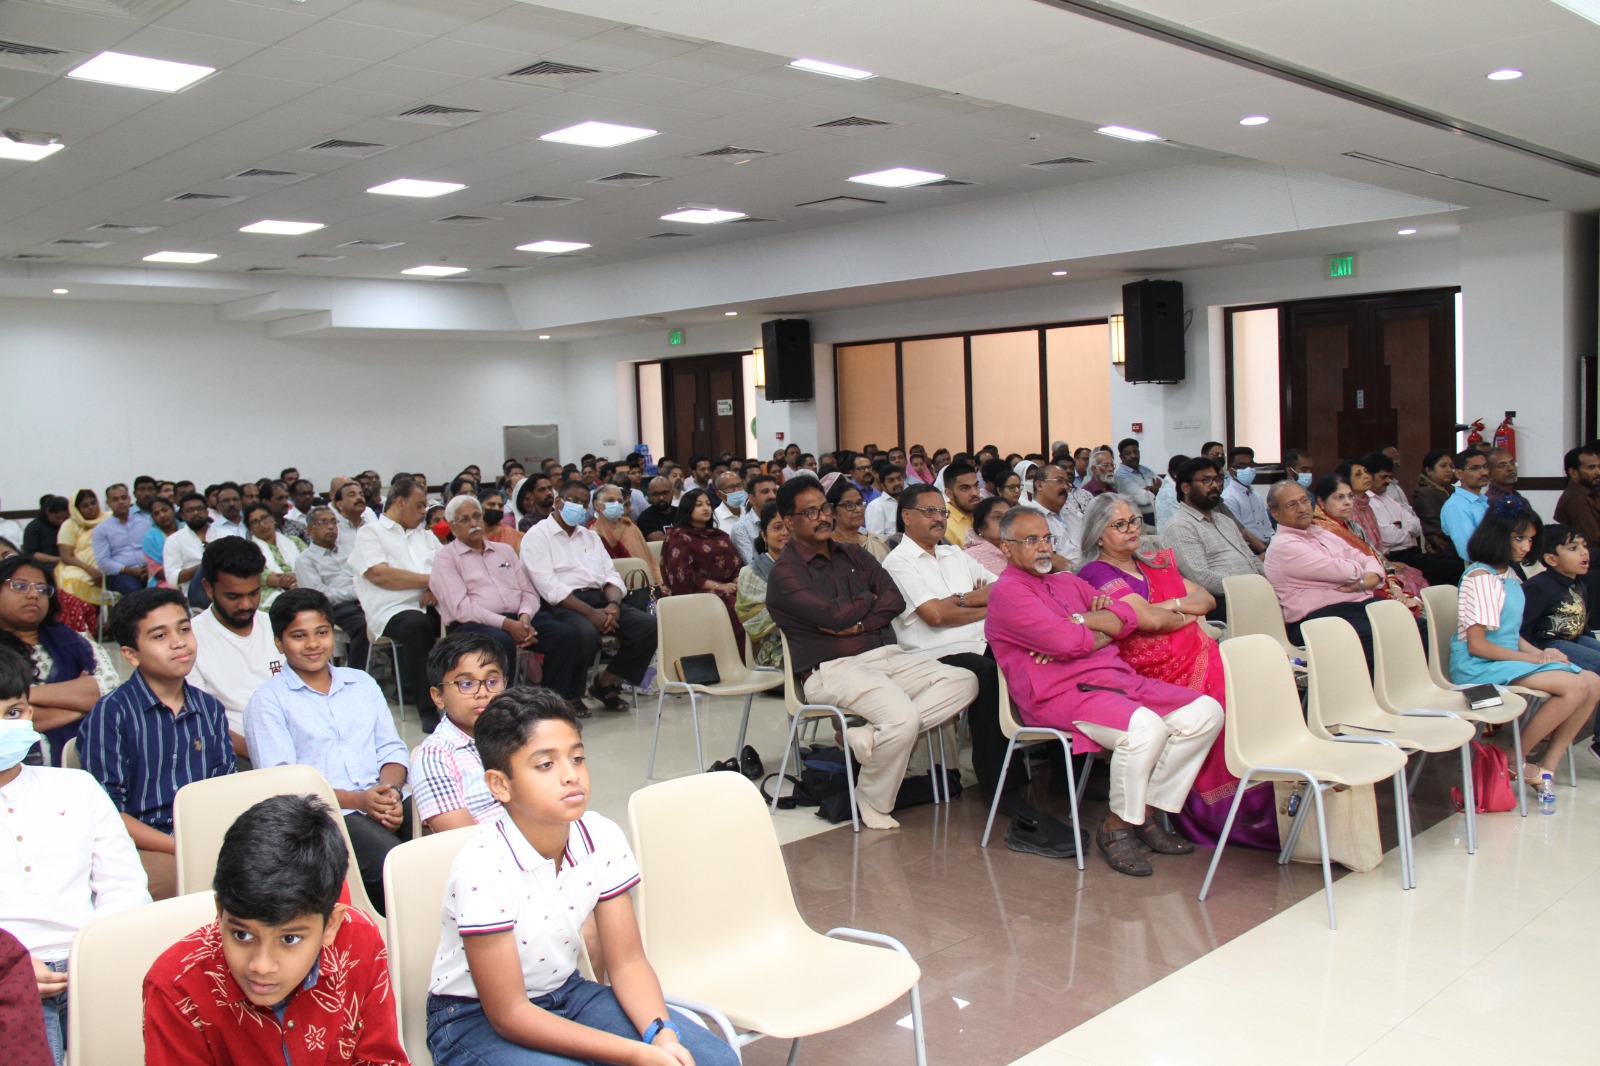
[
  {"x": 1052, "y": 480},
  {"x": 931, "y": 512},
  {"x": 1203, "y": 482},
  {"x": 1032, "y": 541},
  {"x": 471, "y": 686},
  {"x": 811, "y": 514},
  {"x": 855, "y": 505},
  {"x": 18, "y": 585},
  {"x": 1127, "y": 525}
]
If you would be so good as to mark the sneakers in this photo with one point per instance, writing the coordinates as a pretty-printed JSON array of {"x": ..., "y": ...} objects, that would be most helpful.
[{"x": 1041, "y": 835}]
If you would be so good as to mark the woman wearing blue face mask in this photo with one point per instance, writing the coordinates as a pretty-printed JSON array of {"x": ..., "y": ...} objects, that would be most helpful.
[
  {"x": 621, "y": 536},
  {"x": 699, "y": 557}
]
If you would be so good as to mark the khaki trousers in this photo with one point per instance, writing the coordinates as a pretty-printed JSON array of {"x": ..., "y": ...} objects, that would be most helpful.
[{"x": 1155, "y": 760}]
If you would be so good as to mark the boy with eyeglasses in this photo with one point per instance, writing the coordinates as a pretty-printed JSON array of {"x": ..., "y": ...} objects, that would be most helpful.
[
  {"x": 466, "y": 670},
  {"x": 337, "y": 721}
]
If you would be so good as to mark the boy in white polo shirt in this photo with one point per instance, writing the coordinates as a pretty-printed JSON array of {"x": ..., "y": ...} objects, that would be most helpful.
[{"x": 505, "y": 985}]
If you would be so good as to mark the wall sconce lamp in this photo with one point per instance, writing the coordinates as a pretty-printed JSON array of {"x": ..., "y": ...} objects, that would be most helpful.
[
  {"x": 761, "y": 367},
  {"x": 1119, "y": 353}
]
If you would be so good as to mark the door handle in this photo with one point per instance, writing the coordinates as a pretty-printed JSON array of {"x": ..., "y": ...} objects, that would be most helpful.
[{"x": 702, "y": 424}]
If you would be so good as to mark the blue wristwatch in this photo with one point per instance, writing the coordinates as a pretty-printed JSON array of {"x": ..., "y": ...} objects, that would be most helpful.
[{"x": 653, "y": 1030}]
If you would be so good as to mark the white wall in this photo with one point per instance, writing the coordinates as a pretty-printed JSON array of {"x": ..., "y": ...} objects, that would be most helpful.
[{"x": 98, "y": 392}]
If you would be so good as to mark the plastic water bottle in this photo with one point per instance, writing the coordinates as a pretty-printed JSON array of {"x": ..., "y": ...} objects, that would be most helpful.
[{"x": 1547, "y": 793}]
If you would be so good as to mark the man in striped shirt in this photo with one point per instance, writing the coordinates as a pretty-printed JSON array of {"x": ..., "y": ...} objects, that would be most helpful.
[{"x": 155, "y": 732}]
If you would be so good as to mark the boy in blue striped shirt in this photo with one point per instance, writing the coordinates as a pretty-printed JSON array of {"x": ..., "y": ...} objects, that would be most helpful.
[{"x": 155, "y": 732}]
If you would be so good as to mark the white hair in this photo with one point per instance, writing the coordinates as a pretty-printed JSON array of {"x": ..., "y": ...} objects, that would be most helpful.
[{"x": 453, "y": 509}]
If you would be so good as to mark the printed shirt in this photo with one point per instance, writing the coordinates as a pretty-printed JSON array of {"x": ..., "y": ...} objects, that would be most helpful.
[
  {"x": 500, "y": 884},
  {"x": 448, "y": 776},
  {"x": 195, "y": 1012}
]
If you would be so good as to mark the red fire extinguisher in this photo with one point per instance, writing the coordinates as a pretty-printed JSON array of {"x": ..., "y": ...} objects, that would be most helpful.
[
  {"x": 1505, "y": 435},
  {"x": 1475, "y": 437}
]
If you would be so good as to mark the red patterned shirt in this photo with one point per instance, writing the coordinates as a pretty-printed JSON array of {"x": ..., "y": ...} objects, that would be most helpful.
[{"x": 196, "y": 1013}]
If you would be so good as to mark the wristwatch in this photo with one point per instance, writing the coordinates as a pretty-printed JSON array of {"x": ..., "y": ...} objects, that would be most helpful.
[
  {"x": 1078, "y": 618},
  {"x": 653, "y": 1030}
]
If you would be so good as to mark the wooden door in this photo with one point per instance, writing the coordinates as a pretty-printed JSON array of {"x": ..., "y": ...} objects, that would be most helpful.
[{"x": 704, "y": 405}]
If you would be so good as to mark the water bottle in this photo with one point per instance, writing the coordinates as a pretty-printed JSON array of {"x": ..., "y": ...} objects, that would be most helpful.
[{"x": 1547, "y": 793}]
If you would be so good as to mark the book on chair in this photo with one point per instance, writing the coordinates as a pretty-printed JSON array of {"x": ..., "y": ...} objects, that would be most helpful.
[
  {"x": 1481, "y": 696},
  {"x": 698, "y": 670}
]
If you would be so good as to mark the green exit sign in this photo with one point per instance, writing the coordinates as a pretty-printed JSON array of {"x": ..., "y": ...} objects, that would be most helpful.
[
  {"x": 675, "y": 337},
  {"x": 1342, "y": 266}
]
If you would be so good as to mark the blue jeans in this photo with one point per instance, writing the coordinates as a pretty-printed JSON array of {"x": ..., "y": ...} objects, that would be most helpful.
[
  {"x": 55, "y": 1017},
  {"x": 459, "y": 1033},
  {"x": 1583, "y": 653}
]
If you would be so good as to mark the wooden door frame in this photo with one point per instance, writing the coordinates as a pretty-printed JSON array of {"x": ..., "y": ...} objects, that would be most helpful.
[{"x": 737, "y": 357}]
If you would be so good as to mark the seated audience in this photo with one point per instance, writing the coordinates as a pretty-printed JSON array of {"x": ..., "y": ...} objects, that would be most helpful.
[
  {"x": 337, "y": 721},
  {"x": 699, "y": 557},
  {"x": 1102, "y": 473},
  {"x": 279, "y": 549},
  {"x": 163, "y": 524},
  {"x": 1502, "y": 477},
  {"x": 73, "y": 861},
  {"x": 761, "y": 489},
  {"x": 11, "y": 532},
  {"x": 350, "y": 506},
  {"x": 1579, "y": 507},
  {"x": 302, "y": 497},
  {"x": 1467, "y": 504},
  {"x": 234, "y": 655},
  {"x": 983, "y": 540},
  {"x": 77, "y": 575},
  {"x": 229, "y": 518},
  {"x": 1242, "y": 503},
  {"x": 1008, "y": 483},
  {"x": 1063, "y": 508},
  {"x": 285, "y": 971},
  {"x": 659, "y": 518},
  {"x": 1339, "y": 512},
  {"x": 849, "y": 512},
  {"x": 392, "y": 560},
  {"x": 182, "y": 550},
  {"x": 1556, "y": 611},
  {"x": 20, "y": 991},
  {"x": 433, "y": 521},
  {"x": 1399, "y": 529},
  {"x": 1213, "y": 450},
  {"x": 1137, "y": 482},
  {"x": 155, "y": 733},
  {"x": 836, "y": 605},
  {"x": 73, "y": 671},
  {"x": 730, "y": 498},
  {"x": 882, "y": 511},
  {"x": 960, "y": 482},
  {"x": 991, "y": 474},
  {"x": 1208, "y": 545},
  {"x": 1167, "y": 494},
  {"x": 275, "y": 496},
  {"x": 620, "y": 533},
  {"x": 1054, "y": 645},
  {"x": 118, "y": 543},
  {"x": 573, "y": 574},
  {"x": 1298, "y": 466},
  {"x": 42, "y": 535},
  {"x": 1487, "y": 647},
  {"x": 917, "y": 466},
  {"x": 495, "y": 527},
  {"x": 532, "y": 498},
  {"x": 322, "y": 568},
  {"x": 469, "y": 670},
  {"x": 1080, "y": 466},
  {"x": 750, "y": 603},
  {"x": 1434, "y": 487},
  {"x": 1174, "y": 647}
]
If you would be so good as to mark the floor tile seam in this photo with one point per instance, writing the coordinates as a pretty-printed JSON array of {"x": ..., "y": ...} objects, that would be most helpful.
[{"x": 1405, "y": 1026}]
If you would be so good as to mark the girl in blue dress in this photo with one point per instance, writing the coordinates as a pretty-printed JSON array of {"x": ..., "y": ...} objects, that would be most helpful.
[{"x": 1488, "y": 648}]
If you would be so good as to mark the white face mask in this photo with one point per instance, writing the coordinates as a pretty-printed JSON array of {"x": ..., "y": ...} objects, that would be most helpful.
[{"x": 17, "y": 738}]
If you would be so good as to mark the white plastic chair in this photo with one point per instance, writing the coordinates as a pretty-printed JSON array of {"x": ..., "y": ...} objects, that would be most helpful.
[
  {"x": 1024, "y": 736},
  {"x": 69, "y": 756},
  {"x": 377, "y": 641},
  {"x": 801, "y": 711},
  {"x": 1252, "y": 607}
]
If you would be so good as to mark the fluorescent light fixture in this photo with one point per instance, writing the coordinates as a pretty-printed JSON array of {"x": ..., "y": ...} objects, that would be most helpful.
[
  {"x": 544, "y": 336},
  {"x": 730, "y": 314},
  {"x": 60, "y": 292},
  {"x": 180, "y": 257},
  {"x": 552, "y": 247},
  {"x": 1058, "y": 273},
  {"x": 434, "y": 271},
  {"x": 416, "y": 187},
  {"x": 281, "y": 229},
  {"x": 898, "y": 178},
  {"x": 1408, "y": 231},
  {"x": 1254, "y": 120},
  {"x": 703, "y": 216},
  {"x": 598, "y": 134},
  {"x": 27, "y": 153},
  {"x": 832, "y": 70},
  {"x": 138, "y": 72},
  {"x": 1126, "y": 134},
  {"x": 1505, "y": 74},
  {"x": 1117, "y": 339}
]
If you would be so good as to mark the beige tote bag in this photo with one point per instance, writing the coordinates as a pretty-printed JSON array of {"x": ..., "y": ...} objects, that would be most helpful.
[{"x": 1352, "y": 814}]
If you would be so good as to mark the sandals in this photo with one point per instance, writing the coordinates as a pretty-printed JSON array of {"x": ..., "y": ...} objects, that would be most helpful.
[
  {"x": 610, "y": 696},
  {"x": 1121, "y": 849},
  {"x": 1162, "y": 840}
]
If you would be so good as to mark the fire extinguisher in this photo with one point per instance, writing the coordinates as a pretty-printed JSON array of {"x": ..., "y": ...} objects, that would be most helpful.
[
  {"x": 1505, "y": 435},
  {"x": 1475, "y": 437}
]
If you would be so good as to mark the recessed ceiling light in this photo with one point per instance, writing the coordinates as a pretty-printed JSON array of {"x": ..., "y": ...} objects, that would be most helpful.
[
  {"x": 281, "y": 229},
  {"x": 702, "y": 215},
  {"x": 1254, "y": 120},
  {"x": 415, "y": 187},
  {"x": 1126, "y": 134},
  {"x": 179, "y": 257},
  {"x": 898, "y": 178},
  {"x": 833, "y": 70},
  {"x": 730, "y": 314},
  {"x": 1506, "y": 74},
  {"x": 598, "y": 134},
  {"x": 1408, "y": 231},
  {"x": 1058, "y": 273},
  {"x": 138, "y": 72},
  {"x": 28, "y": 147},
  {"x": 544, "y": 336},
  {"x": 553, "y": 247},
  {"x": 434, "y": 271},
  {"x": 60, "y": 292}
]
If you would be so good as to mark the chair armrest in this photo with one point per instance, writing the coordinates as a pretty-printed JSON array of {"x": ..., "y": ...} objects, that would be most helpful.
[
  {"x": 705, "y": 1010},
  {"x": 846, "y": 933},
  {"x": 1368, "y": 740},
  {"x": 1428, "y": 712}
]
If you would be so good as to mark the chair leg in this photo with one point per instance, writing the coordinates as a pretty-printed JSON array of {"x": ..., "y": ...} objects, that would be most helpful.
[
  {"x": 1416, "y": 774},
  {"x": 1322, "y": 841},
  {"x": 794, "y": 1052},
  {"x": 916, "y": 1025},
  {"x": 650, "y": 770},
  {"x": 1222, "y": 841},
  {"x": 1296, "y": 825},
  {"x": 1402, "y": 820},
  {"x": 694, "y": 716},
  {"x": 399, "y": 689},
  {"x": 1572, "y": 767},
  {"x": 783, "y": 766},
  {"x": 1516, "y": 770},
  {"x": 744, "y": 724},
  {"x": 849, "y": 774},
  {"x": 1469, "y": 799},
  {"x": 994, "y": 804},
  {"x": 1074, "y": 797}
]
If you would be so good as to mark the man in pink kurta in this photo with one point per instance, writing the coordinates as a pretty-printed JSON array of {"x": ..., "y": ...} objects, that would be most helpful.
[{"x": 1055, "y": 648}]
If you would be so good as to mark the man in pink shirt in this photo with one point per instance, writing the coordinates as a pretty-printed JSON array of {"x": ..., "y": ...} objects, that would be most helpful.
[{"x": 1052, "y": 634}]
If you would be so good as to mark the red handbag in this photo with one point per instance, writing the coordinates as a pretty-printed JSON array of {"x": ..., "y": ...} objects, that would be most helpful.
[{"x": 1492, "y": 786}]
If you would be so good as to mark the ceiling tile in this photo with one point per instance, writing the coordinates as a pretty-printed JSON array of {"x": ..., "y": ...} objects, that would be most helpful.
[
  {"x": 459, "y": 57},
  {"x": 294, "y": 64},
  {"x": 238, "y": 21},
  {"x": 352, "y": 40},
  {"x": 399, "y": 81},
  {"x": 59, "y": 27},
  {"x": 619, "y": 49},
  {"x": 526, "y": 29},
  {"x": 430, "y": 17}
]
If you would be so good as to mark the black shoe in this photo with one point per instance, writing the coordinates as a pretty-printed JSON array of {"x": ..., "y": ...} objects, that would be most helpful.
[
  {"x": 750, "y": 764},
  {"x": 723, "y": 766},
  {"x": 1594, "y": 747},
  {"x": 1041, "y": 836}
]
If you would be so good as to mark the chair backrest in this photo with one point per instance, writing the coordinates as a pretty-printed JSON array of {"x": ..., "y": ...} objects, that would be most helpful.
[
  {"x": 105, "y": 975},
  {"x": 1439, "y": 607},
  {"x": 696, "y": 624},
  {"x": 712, "y": 876},
  {"x": 1401, "y": 679},
  {"x": 414, "y": 876},
  {"x": 1263, "y": 702},
  {"x": 1009, "y": 721},
  {"x": 1337, "y": 689},
  {"x": 792, "y": 699},
  {"x": 1253, "y": 607},
  {"x": 627, "y": 568},
  {"x": 202, "y": 811},
  {"x": 69, "y": 756},
  {"x": 655, "y": 548}
]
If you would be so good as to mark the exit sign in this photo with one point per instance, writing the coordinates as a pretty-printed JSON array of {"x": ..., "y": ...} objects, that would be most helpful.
[
  {"x": 675, "y": 337},
  {"x": 1342, "y": 266}
]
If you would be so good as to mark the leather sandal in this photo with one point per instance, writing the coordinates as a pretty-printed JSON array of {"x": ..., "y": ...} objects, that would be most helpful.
[
  {"x": 1121, "y": 849},
  {"x": 1162, "y": 840},
  {"x": 610, "y": 696}
]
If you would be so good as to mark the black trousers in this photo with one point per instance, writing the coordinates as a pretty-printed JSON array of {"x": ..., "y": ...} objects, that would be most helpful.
[
  {"x": 636, "y": 633},
  {"x": 559, "y": 643},
  {"x": 416, "y": 632},
  {"x": 983, "y": 720},
  {"x": 372, "y": 844},
  {"x": 1356, "y": 615},
  {"x": 350, "y": 618},
  {"x": 1437, "y": 569}
]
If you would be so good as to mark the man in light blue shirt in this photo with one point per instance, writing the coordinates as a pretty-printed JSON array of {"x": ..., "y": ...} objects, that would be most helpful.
[
  {"x": 1248, "y": 509},
  {"x": 119, "y": 543},
  {"x": 1138, "y": 483},
  {"x": 1461, "y": 513}
]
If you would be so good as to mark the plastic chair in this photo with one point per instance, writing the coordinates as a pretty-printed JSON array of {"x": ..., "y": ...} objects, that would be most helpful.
[
  {"x": 1252, "y": 607},
  {"x": 69, "y": 756},
  {"x": 720, "y": 926},
  {"x": 377, "y": 641},
  {"x": 655, "y": 547},
  {"x": 627, "y": 568},
  {"x": 1265, "y": 739},
  {"x": 1023, "y": 736},
  {"x": 698, "y": 625},
  {"x": 202, "y": 811},
  {"x": 105, "y": 975},
  {"x": 1339, "y": 697}
]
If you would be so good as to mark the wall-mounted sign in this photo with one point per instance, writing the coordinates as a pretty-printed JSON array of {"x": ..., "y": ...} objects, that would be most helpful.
[
  {"x": 724, "y": 408},
  {"x": 675, "y": 337},
  {"x": 1342, "y": 266}
]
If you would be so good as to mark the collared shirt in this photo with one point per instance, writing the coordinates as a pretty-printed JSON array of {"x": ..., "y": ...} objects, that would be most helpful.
[
  {"x": 1248, "y": 509},
  {"x": 744, "y": 534},
  {"x": 343, "y": 1013},
  {"x": 182, "y": 550},
  {"x": 348, "y": 531},
  {"x": 1398, "y": 526},
  {"x": 882, "y": 513},
  {"x": 1131, "y": 481},
  {"x": 325, "y": 570},
  {"x": 561, "y": 564},
  {"x": 449, "y": 776},
  {"x": 347, "y": 735},
  {"x": 922, "y": 576},
  {"x": 221, "y": 527},
  {"x": 957, "y": 526},
  {"x": 482, "y": 587},
  {"x": 231, "y": 667},
  {"x": 119, "y": 545},
  {"x": 499, "y": 884},
  {"x": 1578, "y": 507},
  {"x": 1308, "y": 566},
  {"x": 1166, "y": 502},
  {"x": 384, "y": 541},
  {"x": 867, "y": 494},
  {"x": 1066, "y": 529},
  {"x": 1208, "y": 547},
  {"x": 66, "y": 857},
  {"x": 725, "y": 519},
  {"x": 142, "y": 753},
  {"x": 1460, "y": 515},
  {"x": 808, "y": 592}
]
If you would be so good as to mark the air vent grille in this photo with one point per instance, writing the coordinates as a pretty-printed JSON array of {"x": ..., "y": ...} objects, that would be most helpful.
[
  {"x": 853, "y": 122},
  {"x": 731, "y": 154},
  {"x": 438, "y": 115},
  {"x": 551, "y": 73},
  {"x": 538, "y": 200},
  {"x": 272, "y": 177},
  {"x": 669, "y": 236},
  {"x": 35, "y": 57},
  {"x": 118, "y": 227},
  {"x": 944, "y": 183},
  {"x": 1061, "y": 161},
  {"x": 370, "y": 246},
  {"x": 30, "y": 257},
  {"x": 211, "y": 199},
  {"x": 510, "y": 268},
  {"x": 81, "y": 246},
  {"x": 262, "y": 270},
  {"x": 748, "y": 219},
  {"x": 17, "y": 48},
  {"x": 348, "y": 149},
  {"x": 319, "y": 258},
  {"x": 627, "y": 179},
  {"x": 1365, "y": 158},
  {"x": 842, "y": 203},
  {"x": 466, "y": 220}
]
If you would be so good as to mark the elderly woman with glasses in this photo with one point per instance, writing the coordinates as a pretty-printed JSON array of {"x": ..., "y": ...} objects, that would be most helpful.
[{"x": 850, "y": 515}]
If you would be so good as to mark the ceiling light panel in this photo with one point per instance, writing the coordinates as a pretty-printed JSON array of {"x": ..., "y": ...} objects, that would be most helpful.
[
  {"x": 140, "y": 72},
  {"x": 282, "y": 229},
  {"x": 832, "y": 70},
  {"x": 598, "y": 134},
  {"x": 552, "y": 247},
  {"x": 702, "y": 215},
  {"x": 898, "y": 178},
  {"x": 1126, "y": 134},
  {"x": 432, "y": 271},
  {"x": 416, "y": 187},
  {"x": 1505, "y": 74},
  {"x": 26, "y": 153},
  {"x": 180, "y": 257}
]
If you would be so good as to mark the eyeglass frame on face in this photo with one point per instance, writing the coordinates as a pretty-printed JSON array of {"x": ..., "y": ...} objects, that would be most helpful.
[
  {"x": 479, "y": 684},
  {"x": 1032, "y": 540},
  {"x": 22, "y": 588},
  {"x": 1126, "y": 525},
  {"x": 931, "y": 513},
  {"x": 811, "y": 514},
  {"x": 850, "y": 505}
]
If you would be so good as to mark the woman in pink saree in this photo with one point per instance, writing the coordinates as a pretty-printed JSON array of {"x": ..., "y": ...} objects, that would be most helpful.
[{"x": 1187, "y": 657}]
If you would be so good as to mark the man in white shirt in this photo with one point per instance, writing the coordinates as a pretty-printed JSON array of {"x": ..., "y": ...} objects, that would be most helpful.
[
  {"x": 946, "y": 593},
  {"x": 760, "y": 490},
  {"x": 229, "y": 518},
  {"x": 1052, "y": 487},
  {"x": 234, "y": 652},
  {"x": 1138, "y": 483},
  {"x": 730, "y": 491},
  {"x": 1247, "y": 508},
  {"x": 882, "y": 510},
  {"x": 180, "y": 555},
  {"x": 391, "y": 560},
  {"x": 1400, "y": 528},
  {"x": 699, "y": 474}
]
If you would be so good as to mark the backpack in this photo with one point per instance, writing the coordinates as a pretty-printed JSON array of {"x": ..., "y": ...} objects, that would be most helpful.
[{"x": 1491, "y": 781}]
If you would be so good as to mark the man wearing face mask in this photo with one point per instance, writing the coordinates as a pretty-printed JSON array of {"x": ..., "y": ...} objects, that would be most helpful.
[
  {"x": 730, "y": 490},
  {"x": 1298, "y": 464},
  {"x": 1208, "y": 544},
  {"x": 1248, "y": 509},
  {"x": 657, "y": 520}
]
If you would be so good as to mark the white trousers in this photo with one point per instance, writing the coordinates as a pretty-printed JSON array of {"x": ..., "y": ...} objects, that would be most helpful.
[{"x": 1155, "y": 760}]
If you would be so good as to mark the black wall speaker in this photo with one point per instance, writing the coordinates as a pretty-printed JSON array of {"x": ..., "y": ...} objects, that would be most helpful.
[
  {"x": 787, "y": 351},
  {"x": 1152, "y": 327}
]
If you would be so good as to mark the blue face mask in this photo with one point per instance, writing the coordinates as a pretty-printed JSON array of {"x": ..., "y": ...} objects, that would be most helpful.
[
  {"x": 1304, "y": 479},
  {"x": 737, "y": 500},
  {"x": 612, "y": 510},
  {"x": 17, "y": 738},
  {"x": 1245, "y": 475},
  {"x": 573, "y": 513}
]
